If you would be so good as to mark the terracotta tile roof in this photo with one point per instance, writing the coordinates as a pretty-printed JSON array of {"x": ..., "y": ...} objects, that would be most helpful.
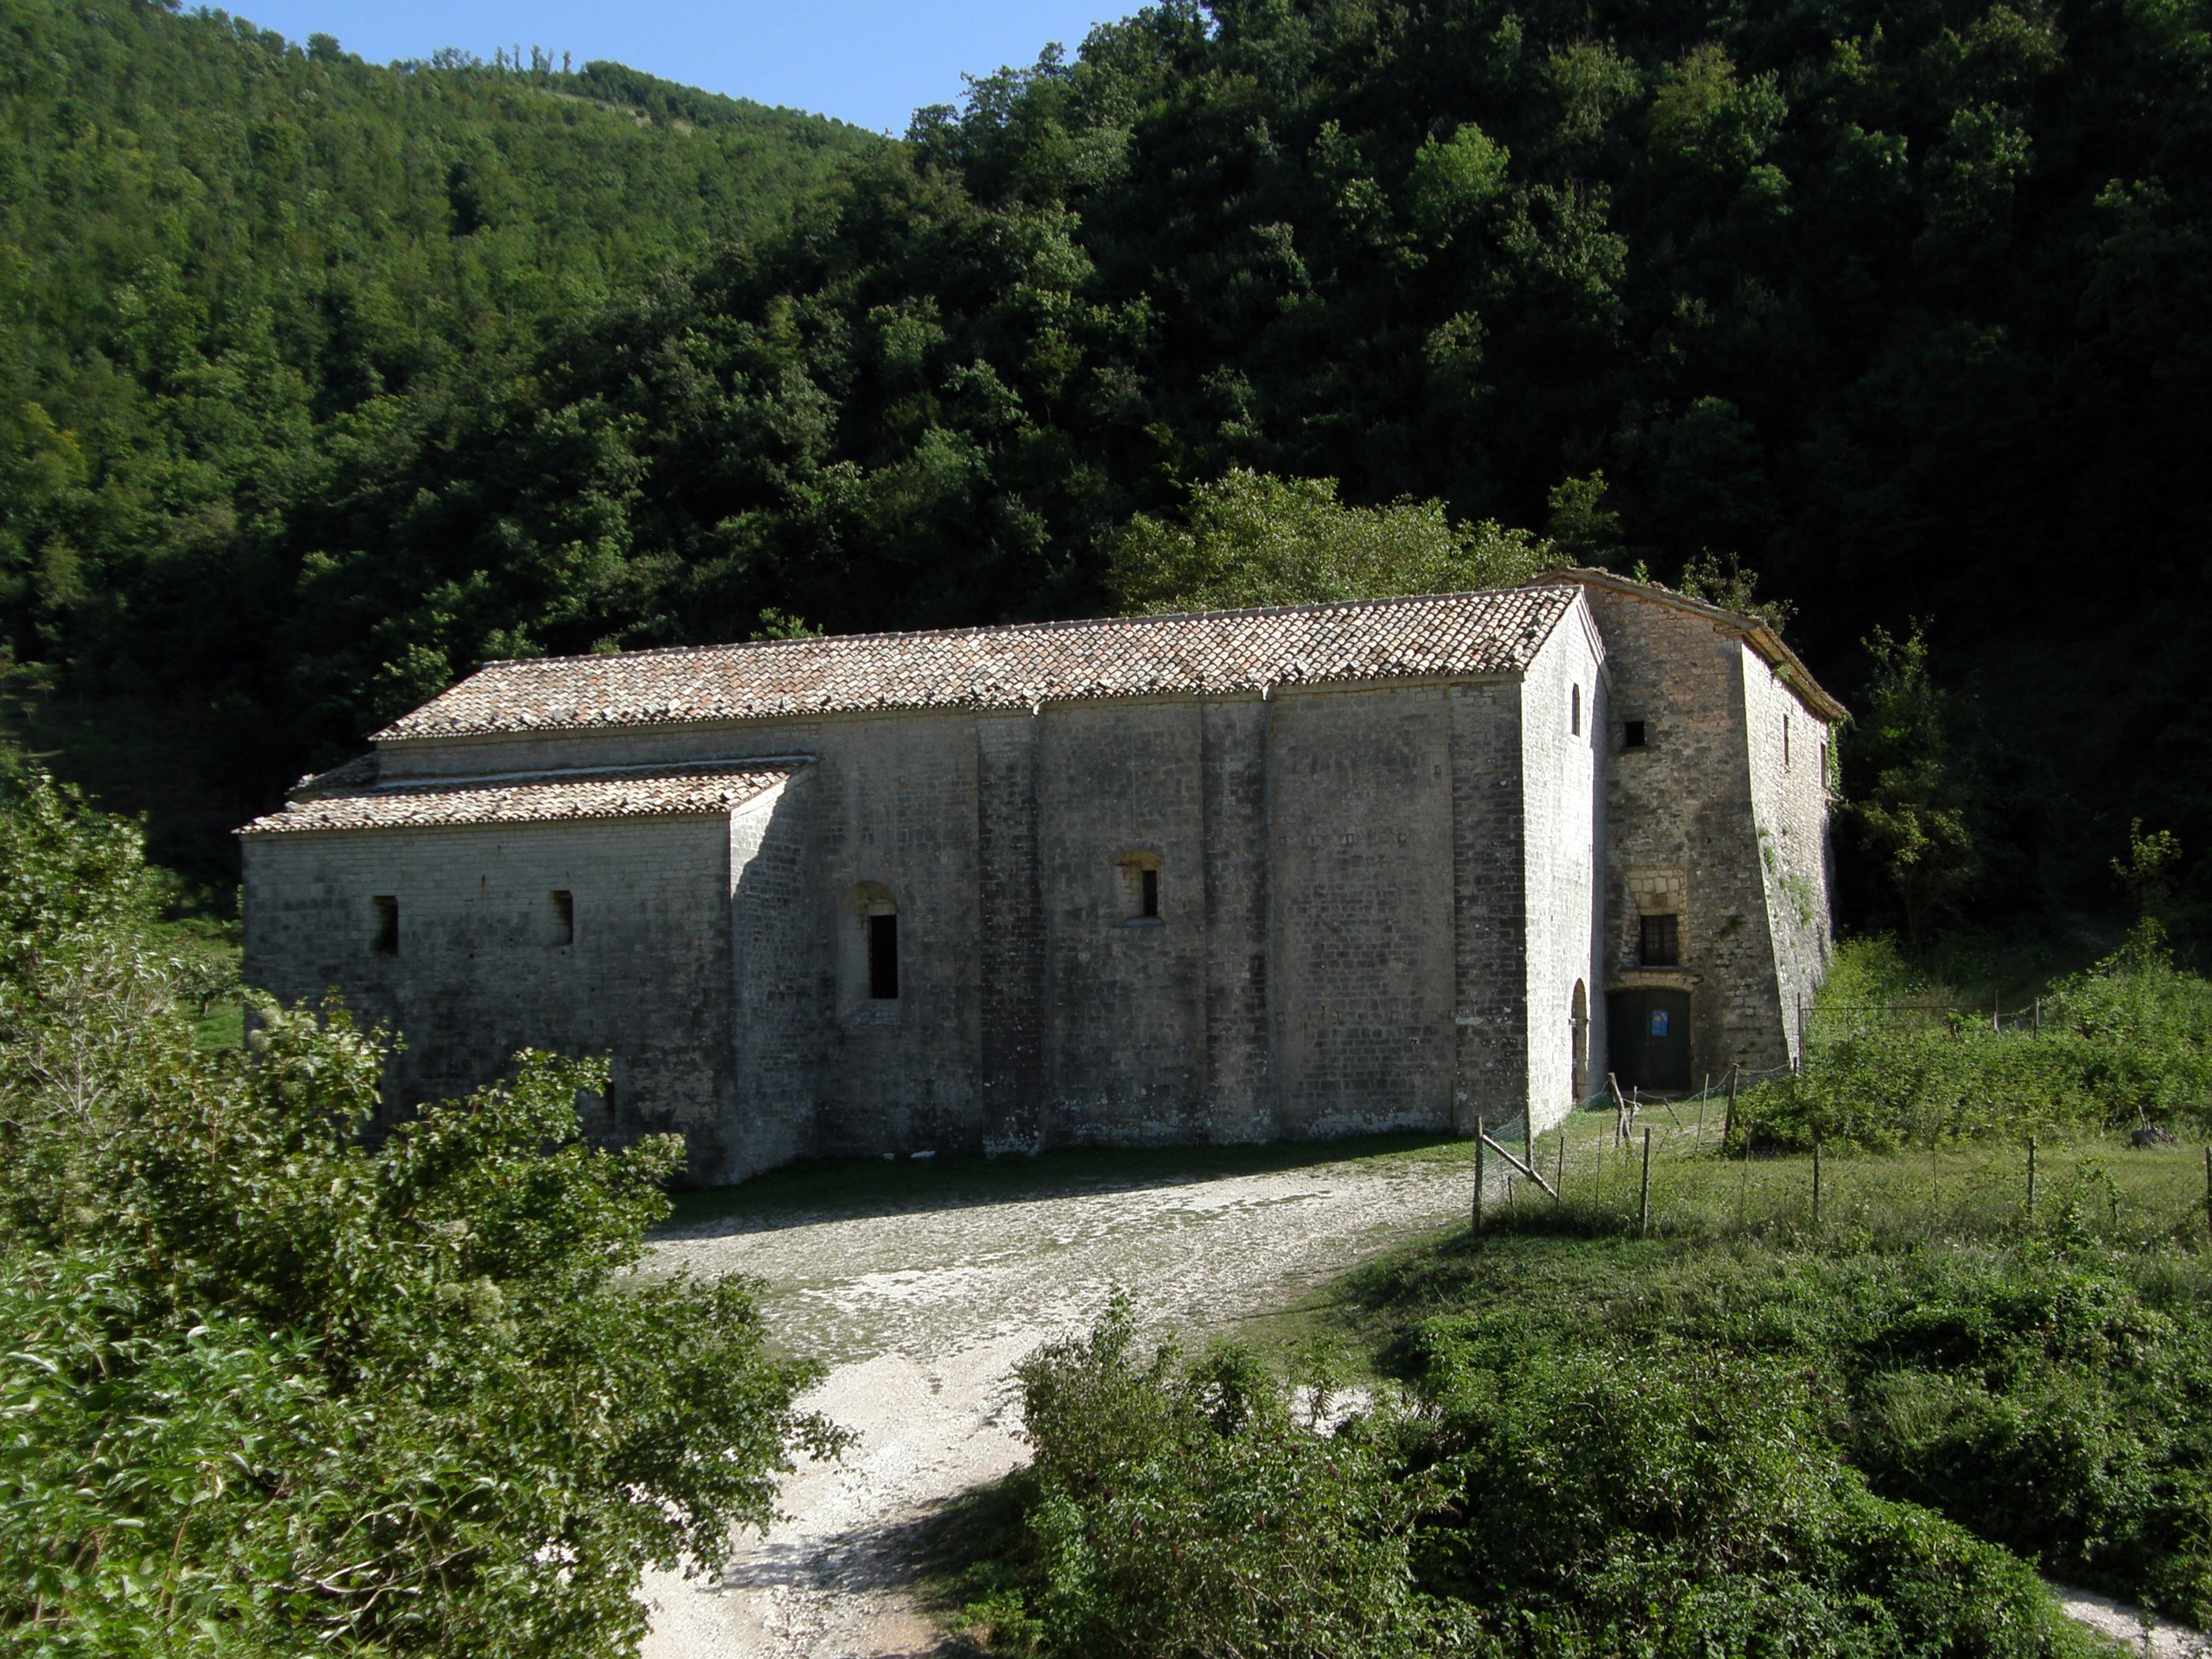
[
  {"x": 1439, "y": 633},
  {"x": 532, "y": 798},
  {"x": 357, "y": 774}
]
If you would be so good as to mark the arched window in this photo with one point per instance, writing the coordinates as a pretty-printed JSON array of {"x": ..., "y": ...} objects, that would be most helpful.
[
  {"x": 1575, "y": 713},
  {"x": 1141, "y": 885}
]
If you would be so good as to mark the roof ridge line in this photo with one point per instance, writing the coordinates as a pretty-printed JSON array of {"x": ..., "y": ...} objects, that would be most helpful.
[{"x": 1306, "y": 607}]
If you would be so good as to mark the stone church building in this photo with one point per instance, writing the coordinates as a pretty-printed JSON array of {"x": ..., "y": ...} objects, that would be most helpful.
[{"x": 1295, "y": 872}]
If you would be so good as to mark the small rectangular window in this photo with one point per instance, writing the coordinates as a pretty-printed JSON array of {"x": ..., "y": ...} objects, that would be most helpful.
[
  {"x": 883, "y": 958},
  {"x": 1575, "y": 714},
  {"x": 1149, "y": 895},
  {"x": 564, "y": 917},
  {"x": 1660, "y": 944},
  {"x": 1631, "y": 734},
  {"x": 387, "y": 923}
]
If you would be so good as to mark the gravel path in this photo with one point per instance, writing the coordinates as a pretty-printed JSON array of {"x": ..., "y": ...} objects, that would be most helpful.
[{"x": 925, "y": 1311}]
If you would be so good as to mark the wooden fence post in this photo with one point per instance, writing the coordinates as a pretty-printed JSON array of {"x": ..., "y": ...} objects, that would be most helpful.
[
  {"x": 1559, "y": 1185},
  {"x": 1816, "y": 1186},
  {"x": 1480, "y": 1141},
  {"x": 1643, "y": 1189},
  {"x": 1728, "y": 1117},
  {"x": 2031, "y": 1177}
]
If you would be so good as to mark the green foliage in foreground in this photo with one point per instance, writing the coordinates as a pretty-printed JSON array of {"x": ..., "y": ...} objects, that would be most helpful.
[
  {"x": 2127, "y": 1043},
  {"x": 2048, "y": 1393},
  {"x": 1558, "y": 1485},
  {"x": 268, "y": 1389}
]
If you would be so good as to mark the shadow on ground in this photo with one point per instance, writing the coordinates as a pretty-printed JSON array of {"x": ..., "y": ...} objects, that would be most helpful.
[{"x": 800, "y": 1194}]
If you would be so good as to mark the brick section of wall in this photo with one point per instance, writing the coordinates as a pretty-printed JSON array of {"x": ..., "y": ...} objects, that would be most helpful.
[
  {"x": 1680, "y": 811},
  {"x": 1238, "y": 1084},
  {"x": 1489, "y": 1014},
  {"x": 1012, "y": 961},
  {"x": 481, "y": 971},
  {"x": 1360, "y": 818}
]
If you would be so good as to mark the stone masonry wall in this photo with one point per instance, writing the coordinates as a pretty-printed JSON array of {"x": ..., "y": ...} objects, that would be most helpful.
[
  {"x": 1787, "y": 756},
  {"x": 482, "y": 969},
  {"x": 1563, "y": 731},
  {"x": 1338, "y": 947},
  {"x": 776, "y": 973},
  {"x": 1680, "y": 829},
  {"x": 902, "y": 807},
  {"x": 1119, "y": 785},
  {"x": 1361, "y": 910}
]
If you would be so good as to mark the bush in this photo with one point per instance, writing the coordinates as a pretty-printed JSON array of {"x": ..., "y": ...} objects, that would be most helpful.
[
  {"x": 1668, "y": 1499},
  {"x": 1185, "y": 1511},
  {"x": 267, "y": 1387},
  {"x": 2048, "y": 1395},
  {"x": 1561, "y": 1486},
  {"x": 2126, "y": 1043}
]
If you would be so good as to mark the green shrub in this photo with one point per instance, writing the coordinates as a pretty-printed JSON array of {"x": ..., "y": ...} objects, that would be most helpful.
[
  {"x": 2049, "y": 1395},
  {"x": 269, "y": 1389},
  {"x": 1186, "y": 1512},
  {"x": 1667, "y": 1498},
  {"x": 1576, "y": 1482},
  {"x": 2126, "y": 1043}
]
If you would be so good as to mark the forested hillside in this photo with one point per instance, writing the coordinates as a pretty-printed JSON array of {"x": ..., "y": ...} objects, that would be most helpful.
[
  {"x": 232, "y": 271},
  {"x": 1901, "y": 303}
]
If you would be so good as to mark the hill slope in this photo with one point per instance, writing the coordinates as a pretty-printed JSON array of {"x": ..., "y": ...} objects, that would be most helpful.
[
  {"x": 226, "y": 263},
  {"x": 1901, "y": 302}
]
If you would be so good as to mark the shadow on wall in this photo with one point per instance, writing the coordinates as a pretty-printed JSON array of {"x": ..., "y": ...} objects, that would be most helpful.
[{"x": 798, "y": 1195}]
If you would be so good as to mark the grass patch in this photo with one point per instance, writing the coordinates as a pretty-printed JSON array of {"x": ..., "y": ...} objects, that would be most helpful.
[{"x": 2138, "y": 1196}]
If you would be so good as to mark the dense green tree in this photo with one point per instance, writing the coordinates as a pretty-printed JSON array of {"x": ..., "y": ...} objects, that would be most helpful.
[
  {"x": 271, "y": 1389},
  {"x": 1249, "y": 540},
  {"x": 1908, "y": 800}
]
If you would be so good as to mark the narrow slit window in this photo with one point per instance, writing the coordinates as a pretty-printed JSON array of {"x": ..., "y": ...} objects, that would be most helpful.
[
  {"x": 1785, "y": 743},
  {"x": 1660, "y": 945},
  {"x": 1148, "y": 899},
  {"x": 386, "y": 906},
  {"x": 1575, "y": 714},
  {"x": 1631, "y": 734},
  {"x": 564, "y": 917},
  {"x": 883, "y": 958}
]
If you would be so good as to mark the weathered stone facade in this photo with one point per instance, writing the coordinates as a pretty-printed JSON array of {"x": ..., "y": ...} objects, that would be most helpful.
[{"x": 1301, "y": 874}]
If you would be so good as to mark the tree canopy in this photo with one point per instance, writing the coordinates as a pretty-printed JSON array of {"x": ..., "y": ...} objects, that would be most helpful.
[{"x": 1898, "y": 305}]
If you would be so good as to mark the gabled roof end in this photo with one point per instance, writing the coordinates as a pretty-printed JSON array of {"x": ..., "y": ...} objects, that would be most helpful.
[{"x": 1760, "y": 635}]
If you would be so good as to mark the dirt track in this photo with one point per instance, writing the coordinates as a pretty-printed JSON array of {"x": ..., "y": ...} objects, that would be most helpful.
[{"x": 924, "y": 1304}]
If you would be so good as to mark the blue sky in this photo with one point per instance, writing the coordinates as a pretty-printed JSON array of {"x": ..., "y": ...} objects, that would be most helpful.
[{"x": 872, "y": 61}]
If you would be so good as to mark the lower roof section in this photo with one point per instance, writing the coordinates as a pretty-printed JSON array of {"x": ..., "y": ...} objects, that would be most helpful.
[{"x": 626, "y": 791}]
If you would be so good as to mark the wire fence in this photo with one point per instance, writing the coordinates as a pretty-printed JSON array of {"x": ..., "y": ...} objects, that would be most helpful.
[
  {"x": 1663, "y": 1170},
  {"x": 1827, "y": 1021}
]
